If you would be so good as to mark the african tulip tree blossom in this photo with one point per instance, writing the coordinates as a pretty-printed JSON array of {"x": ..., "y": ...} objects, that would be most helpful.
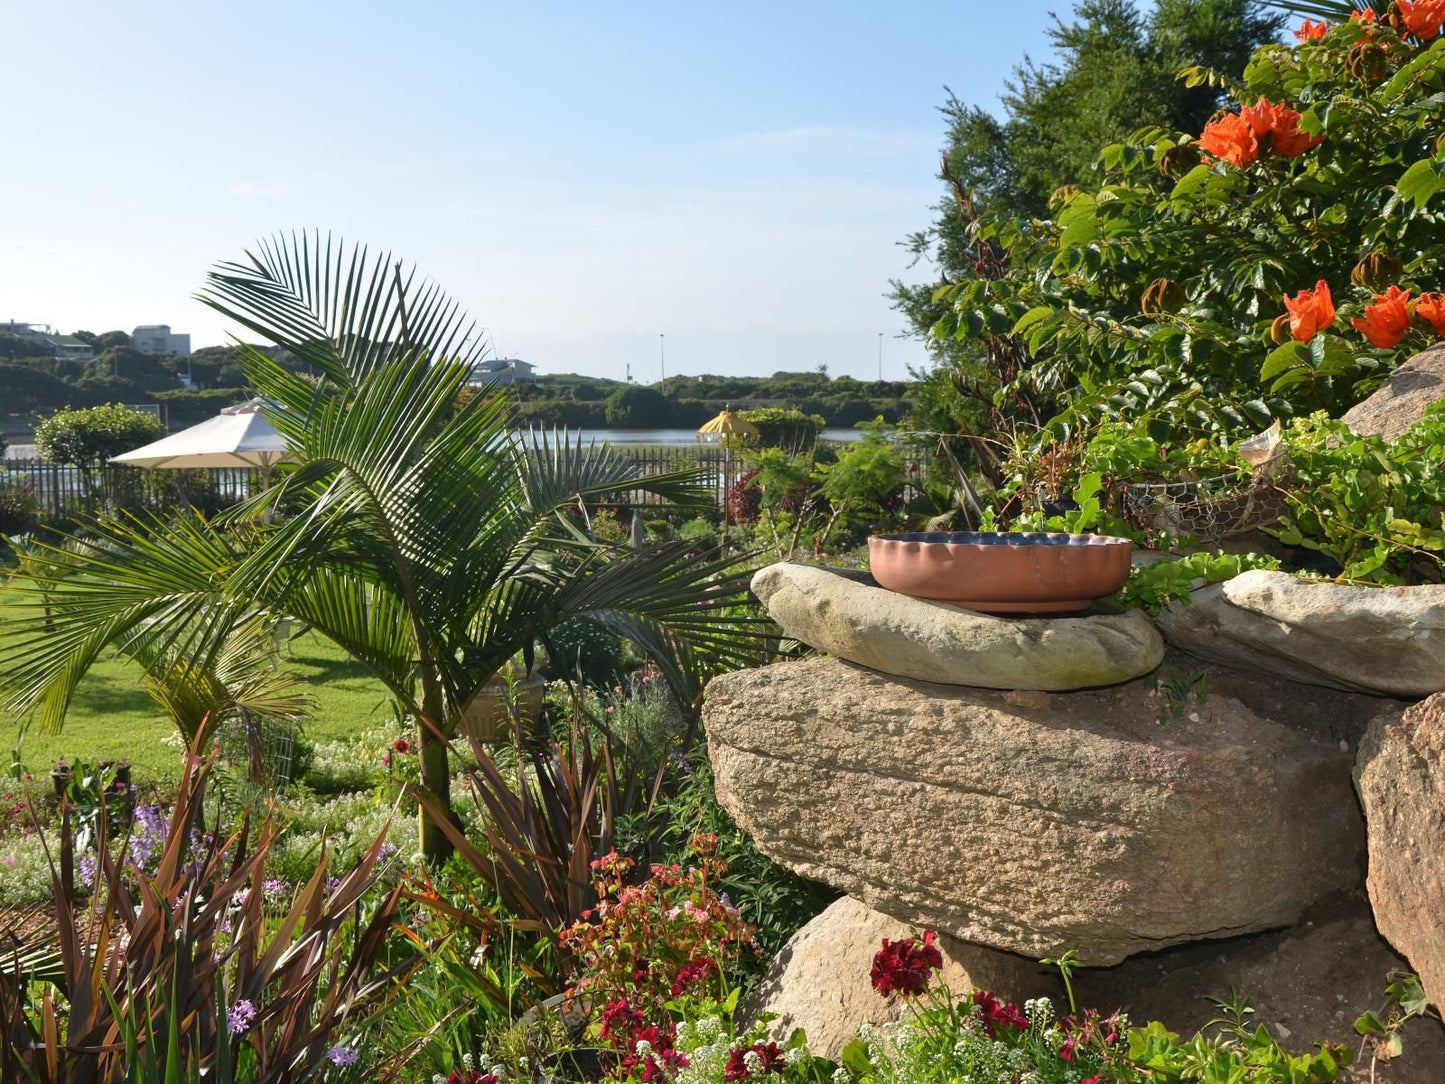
[
  {"x": 1309, "y": 31},
  {"x": 1236, "y": 137},
  {"x": 1386, "y": 319},
  {"x": 1423, "y": 17},
  {"x": 1288, "y": 139},
  {"x": 1431, "y": 307},
  {"x": 1310, "y": 311},
  {"x": 1232, "y": 139}
]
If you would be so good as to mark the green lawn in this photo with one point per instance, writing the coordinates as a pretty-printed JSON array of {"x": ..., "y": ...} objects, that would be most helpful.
[{"x": 112, "y": 717}]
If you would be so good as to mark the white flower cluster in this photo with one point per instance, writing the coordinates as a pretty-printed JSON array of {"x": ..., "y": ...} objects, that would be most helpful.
[
  {"x": 482, "y": 1062},
  {"x": 1040, "y": 1012}
]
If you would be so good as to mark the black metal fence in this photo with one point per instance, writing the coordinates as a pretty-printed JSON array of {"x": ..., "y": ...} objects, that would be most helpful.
[{"x": 32, "y": 489}]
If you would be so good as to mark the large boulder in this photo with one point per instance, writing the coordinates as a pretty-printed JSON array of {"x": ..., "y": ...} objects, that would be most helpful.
[
  {"x": 1400, "y": 776},
  {"x": 933, "y": 641},
  {"x": 1086, "y": 823},
  {"x": 1389, "y": 641},
  {"x": 821, "y": 982},
  {"x": 1411, "y": 390},
  {"x": 1306, "y": 984}
]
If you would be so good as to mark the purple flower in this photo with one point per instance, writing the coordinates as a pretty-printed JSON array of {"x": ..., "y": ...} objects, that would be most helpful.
[
  {"x": 240, "y": 1017},
  {"x": 341, "y": 1054},
  {"x": 274, "y": 886}
]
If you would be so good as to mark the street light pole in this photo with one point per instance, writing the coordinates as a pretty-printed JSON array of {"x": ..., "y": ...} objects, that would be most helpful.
[
  {"x": 880, "y": 357},
  {"x": 662, "y": 358}
]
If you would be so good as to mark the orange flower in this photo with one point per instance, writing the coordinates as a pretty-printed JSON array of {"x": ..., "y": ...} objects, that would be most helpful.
[
  {"x": 1386, "y": 319},
  {"x": 1288, "y": 139},
  {"x": 1366, "y": 15},
  {"x": 1432, "y": 307},
  {"x": 1231, "y": 138},
  {"x": 1310, "y": 311},
  {"x": 1282, "y": 122},
  {"x": 1423, "y": 17},
  {"x": 1261, "y": 116},
  {"x": 1309, "y": 31}
]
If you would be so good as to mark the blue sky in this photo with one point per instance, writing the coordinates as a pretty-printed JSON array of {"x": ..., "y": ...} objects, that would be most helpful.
[{"x": 581, "y": 178}]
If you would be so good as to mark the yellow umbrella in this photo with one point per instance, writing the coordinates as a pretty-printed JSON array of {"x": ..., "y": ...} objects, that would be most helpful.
[{"x": 726, "y": 424}]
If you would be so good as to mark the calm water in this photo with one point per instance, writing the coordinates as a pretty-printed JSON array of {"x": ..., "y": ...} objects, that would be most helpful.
[{"x": 683, "y": 436}]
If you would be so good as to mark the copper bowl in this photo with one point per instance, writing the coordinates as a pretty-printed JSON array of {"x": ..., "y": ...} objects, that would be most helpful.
[{"x": 1024, "y": 572}]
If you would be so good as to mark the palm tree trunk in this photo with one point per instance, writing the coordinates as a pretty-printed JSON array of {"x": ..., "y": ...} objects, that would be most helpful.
[{"x": 436, "y": 778}]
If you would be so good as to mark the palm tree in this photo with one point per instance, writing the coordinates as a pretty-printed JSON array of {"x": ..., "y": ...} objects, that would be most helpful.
[
  {"x": 1336, "y": 10},
  {"x": 419, "y": 532}
]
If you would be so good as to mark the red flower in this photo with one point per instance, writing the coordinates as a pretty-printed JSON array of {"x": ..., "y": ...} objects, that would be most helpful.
[
  {"x": 998, "y": 1013},
  {"x": 1423, "y": 17},
  {"x": 1310, "y": 311},
  {"x": 1232, "y": 139},
  {"x": 770, "y": 1053},
  {"x": 401, "y": 745},
  {"x": 472, "y": 1076},
  {"x": 693, "y": 972},
  {"x": 1431, "y": 307},
  {"x": 1386, "y": 320},
  {"x": 1308, "y": 31},
  {"x": 906, "y": 965},
  {"x": 1364, "y": 15},
  {"x": 620, "y": 1021}
]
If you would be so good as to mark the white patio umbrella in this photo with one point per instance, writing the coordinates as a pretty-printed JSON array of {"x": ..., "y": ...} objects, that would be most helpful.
[{"x": 237, "y": 437}]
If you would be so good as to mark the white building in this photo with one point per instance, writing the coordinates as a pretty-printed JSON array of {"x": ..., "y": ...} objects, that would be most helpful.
[
  {"x": 501, "y": 371},
  {"x": 157, "y": 339}
]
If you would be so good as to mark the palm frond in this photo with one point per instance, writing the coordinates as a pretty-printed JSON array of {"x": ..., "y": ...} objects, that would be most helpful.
[
  {"x": 1329, "y": 10},
  {"x": 342, "y": 311}
]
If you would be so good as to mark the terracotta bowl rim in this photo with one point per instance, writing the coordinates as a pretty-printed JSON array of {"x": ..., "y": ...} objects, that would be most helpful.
[{"x": 1003, "y": 539}]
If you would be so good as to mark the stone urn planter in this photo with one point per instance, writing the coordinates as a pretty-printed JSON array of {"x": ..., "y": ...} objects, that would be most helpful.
[
  {"x": 1021, "y": 572},
  {"x": 488, "y": 719}
]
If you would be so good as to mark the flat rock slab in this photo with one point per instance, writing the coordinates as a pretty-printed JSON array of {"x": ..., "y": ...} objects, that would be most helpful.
[
  {"x": 1085, "y": 825},
  {"x": 1411, "y": 390},
  {"x": 1389, "y": 641},
  {"x": 821, "y": 980},
  {"x": 933, "y": 641},
  {"x": 1400, "y": 777}
]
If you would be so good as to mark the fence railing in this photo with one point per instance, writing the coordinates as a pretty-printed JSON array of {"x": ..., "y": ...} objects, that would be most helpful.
[{"x": 49, "y": 492}]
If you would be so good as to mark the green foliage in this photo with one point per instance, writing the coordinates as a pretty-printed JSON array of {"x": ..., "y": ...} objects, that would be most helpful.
[
  {"x": 1154, "y": 586},
  {"x": 1373, "y": 507},
  {"x": 87, "y": 438},
  {"x": 152, "y": 965},
  {"x": 1236, "y": 1054},
  {"x": 586, "y": 648},
  {"x": 867, "y": 473},
  {"x": 1235, "y": 240},
  {"x": 1113, "y": 70},
  {"x": 780, "y": 427},
  {"x": 635, "y": 406},
  {"x": 429, "y": 541}
]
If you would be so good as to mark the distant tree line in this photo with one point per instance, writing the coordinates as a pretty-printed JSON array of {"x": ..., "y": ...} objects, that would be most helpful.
[
  {"x": 34, "y": 383},
  {"x": 691, "y": 400}
]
